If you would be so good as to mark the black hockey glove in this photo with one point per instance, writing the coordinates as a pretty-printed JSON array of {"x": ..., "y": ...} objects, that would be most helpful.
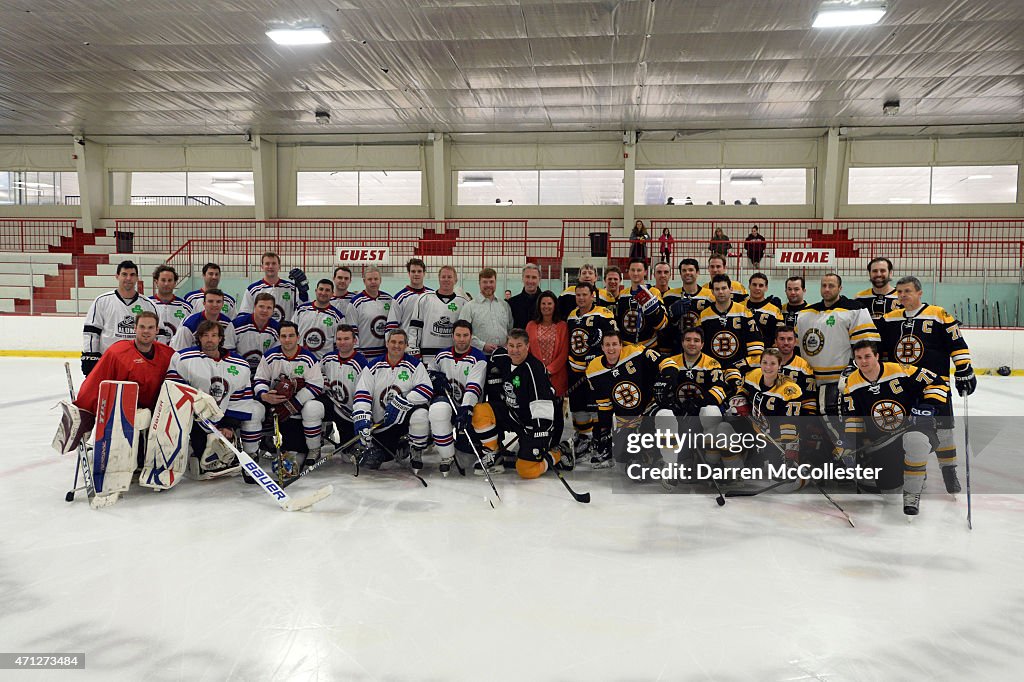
[
  {"x": 923, "y": 417},
  {"x": 298, "y": 278},
  {"x": 664, "y": 388},
  {"x": 966, "y": 383},
  {"x": 464, "y": 418},
  {"x": 89, "y": 361},
  {"x": 439, "y": 383}
]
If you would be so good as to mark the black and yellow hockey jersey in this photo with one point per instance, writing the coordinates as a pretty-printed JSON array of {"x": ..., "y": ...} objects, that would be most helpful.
[
  {"x": 683, "y": 311},
  {"x": 585, "y": 334},
  {"x": 626, "y": 389},
  {"x": 567, "y": 301},
  {"x": 768, "y": 318},
  {"x": 739, "y": 292},
  {"x": 802, "y": 375},
  {"x": 732, "y": 337},
  {"x": 928, "y": 338},
  {"x": 877, "y": 305},
  {"x": 771, "y": 405},
  {"x": 699, "y": 384},
  {"x": 640, "y": 322},
  {"x": 877, "y": 409}
]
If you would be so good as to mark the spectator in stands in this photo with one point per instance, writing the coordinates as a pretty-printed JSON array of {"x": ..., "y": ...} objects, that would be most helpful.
[
  {"x": 524, "y": 303},
  {"x": 671, "y": 201},
  {"x": 638, "y": 239},
  {"x": 755, "y": 245},
  {"x": 753, "y": 201},
  {"x": 689, "y": 201},
  {"x": 665, "y": 241},
  {"x": 549, "y": 341},
  {"x": 719, "y": 243},
  {"x": 491, "y": 318}
]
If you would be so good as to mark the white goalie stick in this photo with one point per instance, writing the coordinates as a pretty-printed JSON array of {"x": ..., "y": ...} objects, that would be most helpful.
[
  {"x": 265, "y": 481},
  {"x": 85, "y": 466}
]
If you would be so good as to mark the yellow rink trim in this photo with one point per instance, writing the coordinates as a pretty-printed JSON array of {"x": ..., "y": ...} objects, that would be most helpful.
[{"x": 40, "y": 353}]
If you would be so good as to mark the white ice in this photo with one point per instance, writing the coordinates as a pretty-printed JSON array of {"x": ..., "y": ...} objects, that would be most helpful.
[{"x": 387, "y": 580}]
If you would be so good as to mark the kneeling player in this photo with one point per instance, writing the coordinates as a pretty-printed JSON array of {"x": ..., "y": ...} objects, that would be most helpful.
[
  {"x": 774, "y": 402},
  {"x": 341, "y": 369},
  {"x": 894, "y": 407},
  {"x": 458, "y": 382}
]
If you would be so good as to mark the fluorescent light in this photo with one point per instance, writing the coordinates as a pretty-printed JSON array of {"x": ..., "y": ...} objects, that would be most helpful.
[
  {"x": 750, "y": 180},
  {"x": 840, "y": 13},
  {"x": 476, "y": 181},
  {"x": 983, "y": 176},
  {"x": 299, "y": 36}
]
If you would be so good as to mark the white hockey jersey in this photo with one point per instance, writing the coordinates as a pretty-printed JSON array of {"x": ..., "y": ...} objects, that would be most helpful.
[
  {"x": 381, "y": 381},
  {"x": 827, "y": 333},
  {"x": 341, "y": 376},
  {"x": 303, "y": 365},
  {"x": 228, "y": 380},
  {"x": 405, "y": 307},
  {"x": 343, "y": 304},
  {"x": 185, "y": 337},
  {"x": 285, "y": 296},
  {"x": 466, "y": 374},
  {"x": 111, "y": 319},
  {"x": 370, "y": 317},
  {"x": 195, "y": 302},
  {"x": 317, "y": 326},
  {"x": 172, "y": 314},
  {"x": 433, "y": 323},
  {"x": 251, "y": 341}
]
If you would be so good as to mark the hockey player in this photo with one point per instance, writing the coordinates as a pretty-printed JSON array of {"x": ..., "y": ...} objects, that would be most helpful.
[
  {"x": 287, "y": 382},
  {"x": 766, "y": 313},
  {"x": 893, "y": 406},
  {"x": 458, "y": 380},
  {"x": 369, "y": 315},
  {"x": 211, "y": 280},
  {"x": 609, "y": 296},
  {"x": 391, "y": 403},
  {"x": 317, "y": 321},
  {"x": 434, "y": 317},
  {"x": 172, "y": 310},
  {"x": 520, "y": 398},
  {"x": 684, "y": 304},
  {"x": 225, "y": 377},
  {"x": 567, "y": 301},
  {"x": 881, "y": 298},
  {"x": 730, "y": 333},
  {"x": 639, "y": 312},
  {"x": 256, "y": 332},
  {"x": 587, "y": 326},
  {"x": 797, "y": 369},
  {"x": 213, "y": 303},
  {"x": 342, "y": 299},
  {"x": 404, "y": 307},
  {"x": 716, "y": 266},
  {"x": 774, "y": 402},
  {"x": 111, "y": 317},
  {"x": 826, "y": 331},
  {"x": 916, "y": 333},
  {"x": 796, "y": 289},
  {"x": 284, "y": 292},
  {"x": 342, "y": 370},
  {"x": 624, "y": 380}
]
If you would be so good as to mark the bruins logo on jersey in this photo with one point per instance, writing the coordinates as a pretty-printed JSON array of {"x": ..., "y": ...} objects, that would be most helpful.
[
  {"x": 888, "y": 415},
  {"x": 725, "y": 344},
  {"x": 579, "y": 341},
  {"x": 630, "y": 321},
  {"x": 626, "y": 394},
  {"x": 688, "y": 392},
  {"x": 378, "y": 325},
  {"x": 813, "y": 341},
  {"x": 314, "y": 339},
  {"x": 909, "y": 350},
  {"x": 790, "y": 392}
]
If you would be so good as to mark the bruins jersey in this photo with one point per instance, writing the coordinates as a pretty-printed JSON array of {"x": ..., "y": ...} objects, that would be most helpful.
[
  {"x": 699, "y": 384},
  {"x": 772, "y": 407},
  {"x": 802, "y": 375},
  {"x": 608, "y": 300},
  {"x": 640, "y": 323},
  {"x": 739, "y": 292},
  {"x": 790, "y": 312},
  {"x": 880, "y": 408},
  {"x": 877, "y": 305},
  {"x": 567, "y": 301},
  {"x": 768, "y": 318},
  {"x": 625, "y": 390},
  {"x": 826, "y": 333},
  {"x": 683, "y": 311},
  {"x": 586, "y": 332},
  {"x": 731, "y": 337},
  {"x": 929, "y": 338}
]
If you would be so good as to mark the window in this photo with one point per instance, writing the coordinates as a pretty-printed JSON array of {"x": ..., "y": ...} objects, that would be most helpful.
[
  {"x": 39, "y": 188},
  {"x": 359, "y": 188},
  {"x": 193, "y": 188},
  {"x": 539, "y": 188},
  {"x": 713, "y": 186},
  {"x": 933, "y": 185}
]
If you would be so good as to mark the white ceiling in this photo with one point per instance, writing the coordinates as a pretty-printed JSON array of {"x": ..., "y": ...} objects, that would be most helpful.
[{"x": 206, "y": 67}]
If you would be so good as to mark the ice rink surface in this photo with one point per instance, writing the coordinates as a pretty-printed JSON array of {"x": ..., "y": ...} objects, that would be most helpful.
[{"x": 388, "y": 580}]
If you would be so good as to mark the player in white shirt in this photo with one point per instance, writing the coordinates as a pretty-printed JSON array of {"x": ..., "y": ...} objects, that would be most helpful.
[
  {"x": 211, "y": 280},
  {"x": 430, "y": 330},
  {"x": 392, "y": 394},
  {"x": 342, "y": 299},
  {"x": 256, "y": 332},
  {"x": 341, "y": 370},
  {"x": 284, "y": 292},
  {"x": 317, "y": 321},
  {"x": 225, "y": 377},
  {"x": 458, "y": 379},
  {"x": 172, "y": 310},
  {"x": 405, "y": 300},
  {"x": 213, "y": 303},
  {"x": 111, "y": 317},
  {"x": 297, "y": 368},
  {"x": 369, "y": 313}
]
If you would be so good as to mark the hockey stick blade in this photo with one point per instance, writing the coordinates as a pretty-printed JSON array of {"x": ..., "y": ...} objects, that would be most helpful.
[
  {"x": 583, "y": 498},
  {"x": 307, "y": 502}
]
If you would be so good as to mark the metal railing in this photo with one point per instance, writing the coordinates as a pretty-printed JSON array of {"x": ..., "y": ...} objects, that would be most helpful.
[{"x": 34, "y": 234}]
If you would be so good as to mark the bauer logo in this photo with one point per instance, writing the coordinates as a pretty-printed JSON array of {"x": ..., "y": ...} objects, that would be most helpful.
[
  {"x": 364, "y": 255},
  {"x": 808, "y": 258}
]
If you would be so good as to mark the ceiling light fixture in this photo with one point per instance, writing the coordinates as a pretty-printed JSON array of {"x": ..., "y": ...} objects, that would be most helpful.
[
  {"x": 476, "y": 181},
  {"x": 983, "y": 176},
  {"x": 746, "y": 180},
  {"x": 840, "y": 13},
  {"x": 309, "y": 35}
]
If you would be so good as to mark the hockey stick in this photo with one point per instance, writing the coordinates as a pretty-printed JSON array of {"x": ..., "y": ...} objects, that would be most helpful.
[
  {"x": 393, "y": 456},
  {"x": 583, "y": 498},
  {"x": 96, "y": 501},
  {"x": 338, "y": 448},
  {"x": 260, "y": 476},
  {"x": 469, "y": 437},
  {"x": 967, "y": 461},
  {"x": 278, "y": 441},
  {"x": 78, "y": 466}
]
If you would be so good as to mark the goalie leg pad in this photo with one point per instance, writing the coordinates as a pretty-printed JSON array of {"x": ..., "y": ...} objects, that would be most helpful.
[
  {"x": 167, "y": 446},
  {"x": 215, "y": 460},
  {"x": 113, "y": 463}
]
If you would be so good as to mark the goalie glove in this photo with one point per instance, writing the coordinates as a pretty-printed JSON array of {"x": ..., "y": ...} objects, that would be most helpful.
[
  {"x": 205, "y": 407},
  {"x": 396, "y": 410},
  {"x": 298, "y": 278},
  {"x": 738, "y": 407},
  {"x": 89, "y": 361},
  {"x": 966, "y": 383}
]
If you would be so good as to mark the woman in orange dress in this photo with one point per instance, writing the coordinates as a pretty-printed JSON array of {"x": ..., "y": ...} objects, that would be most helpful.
[{"x": 549, "y": 341}]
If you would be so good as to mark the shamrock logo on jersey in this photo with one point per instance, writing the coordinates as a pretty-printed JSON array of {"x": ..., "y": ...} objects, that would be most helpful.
[
  {"x": 328, "y": 322},
  {"x": 351, "y": 376},
  {"x": 831, "y": 321},
  {"x": 403, "y": 375},
  {"x": 286, "y": 296},
  {"x": 137, "y": 309},
  {"x": 516, "y": 382},
  {"x": 466, "y": 372},
  {"x": 387, "y": 307},
  {"x": 266, "y": 344},
  {"x": 232, "y": 370},
  {"x": 178, "y": 314},
  {"x": 298, "y": 371},
  {"x": 452, "y": 306},
  {"x": 225, "y": 308}
]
